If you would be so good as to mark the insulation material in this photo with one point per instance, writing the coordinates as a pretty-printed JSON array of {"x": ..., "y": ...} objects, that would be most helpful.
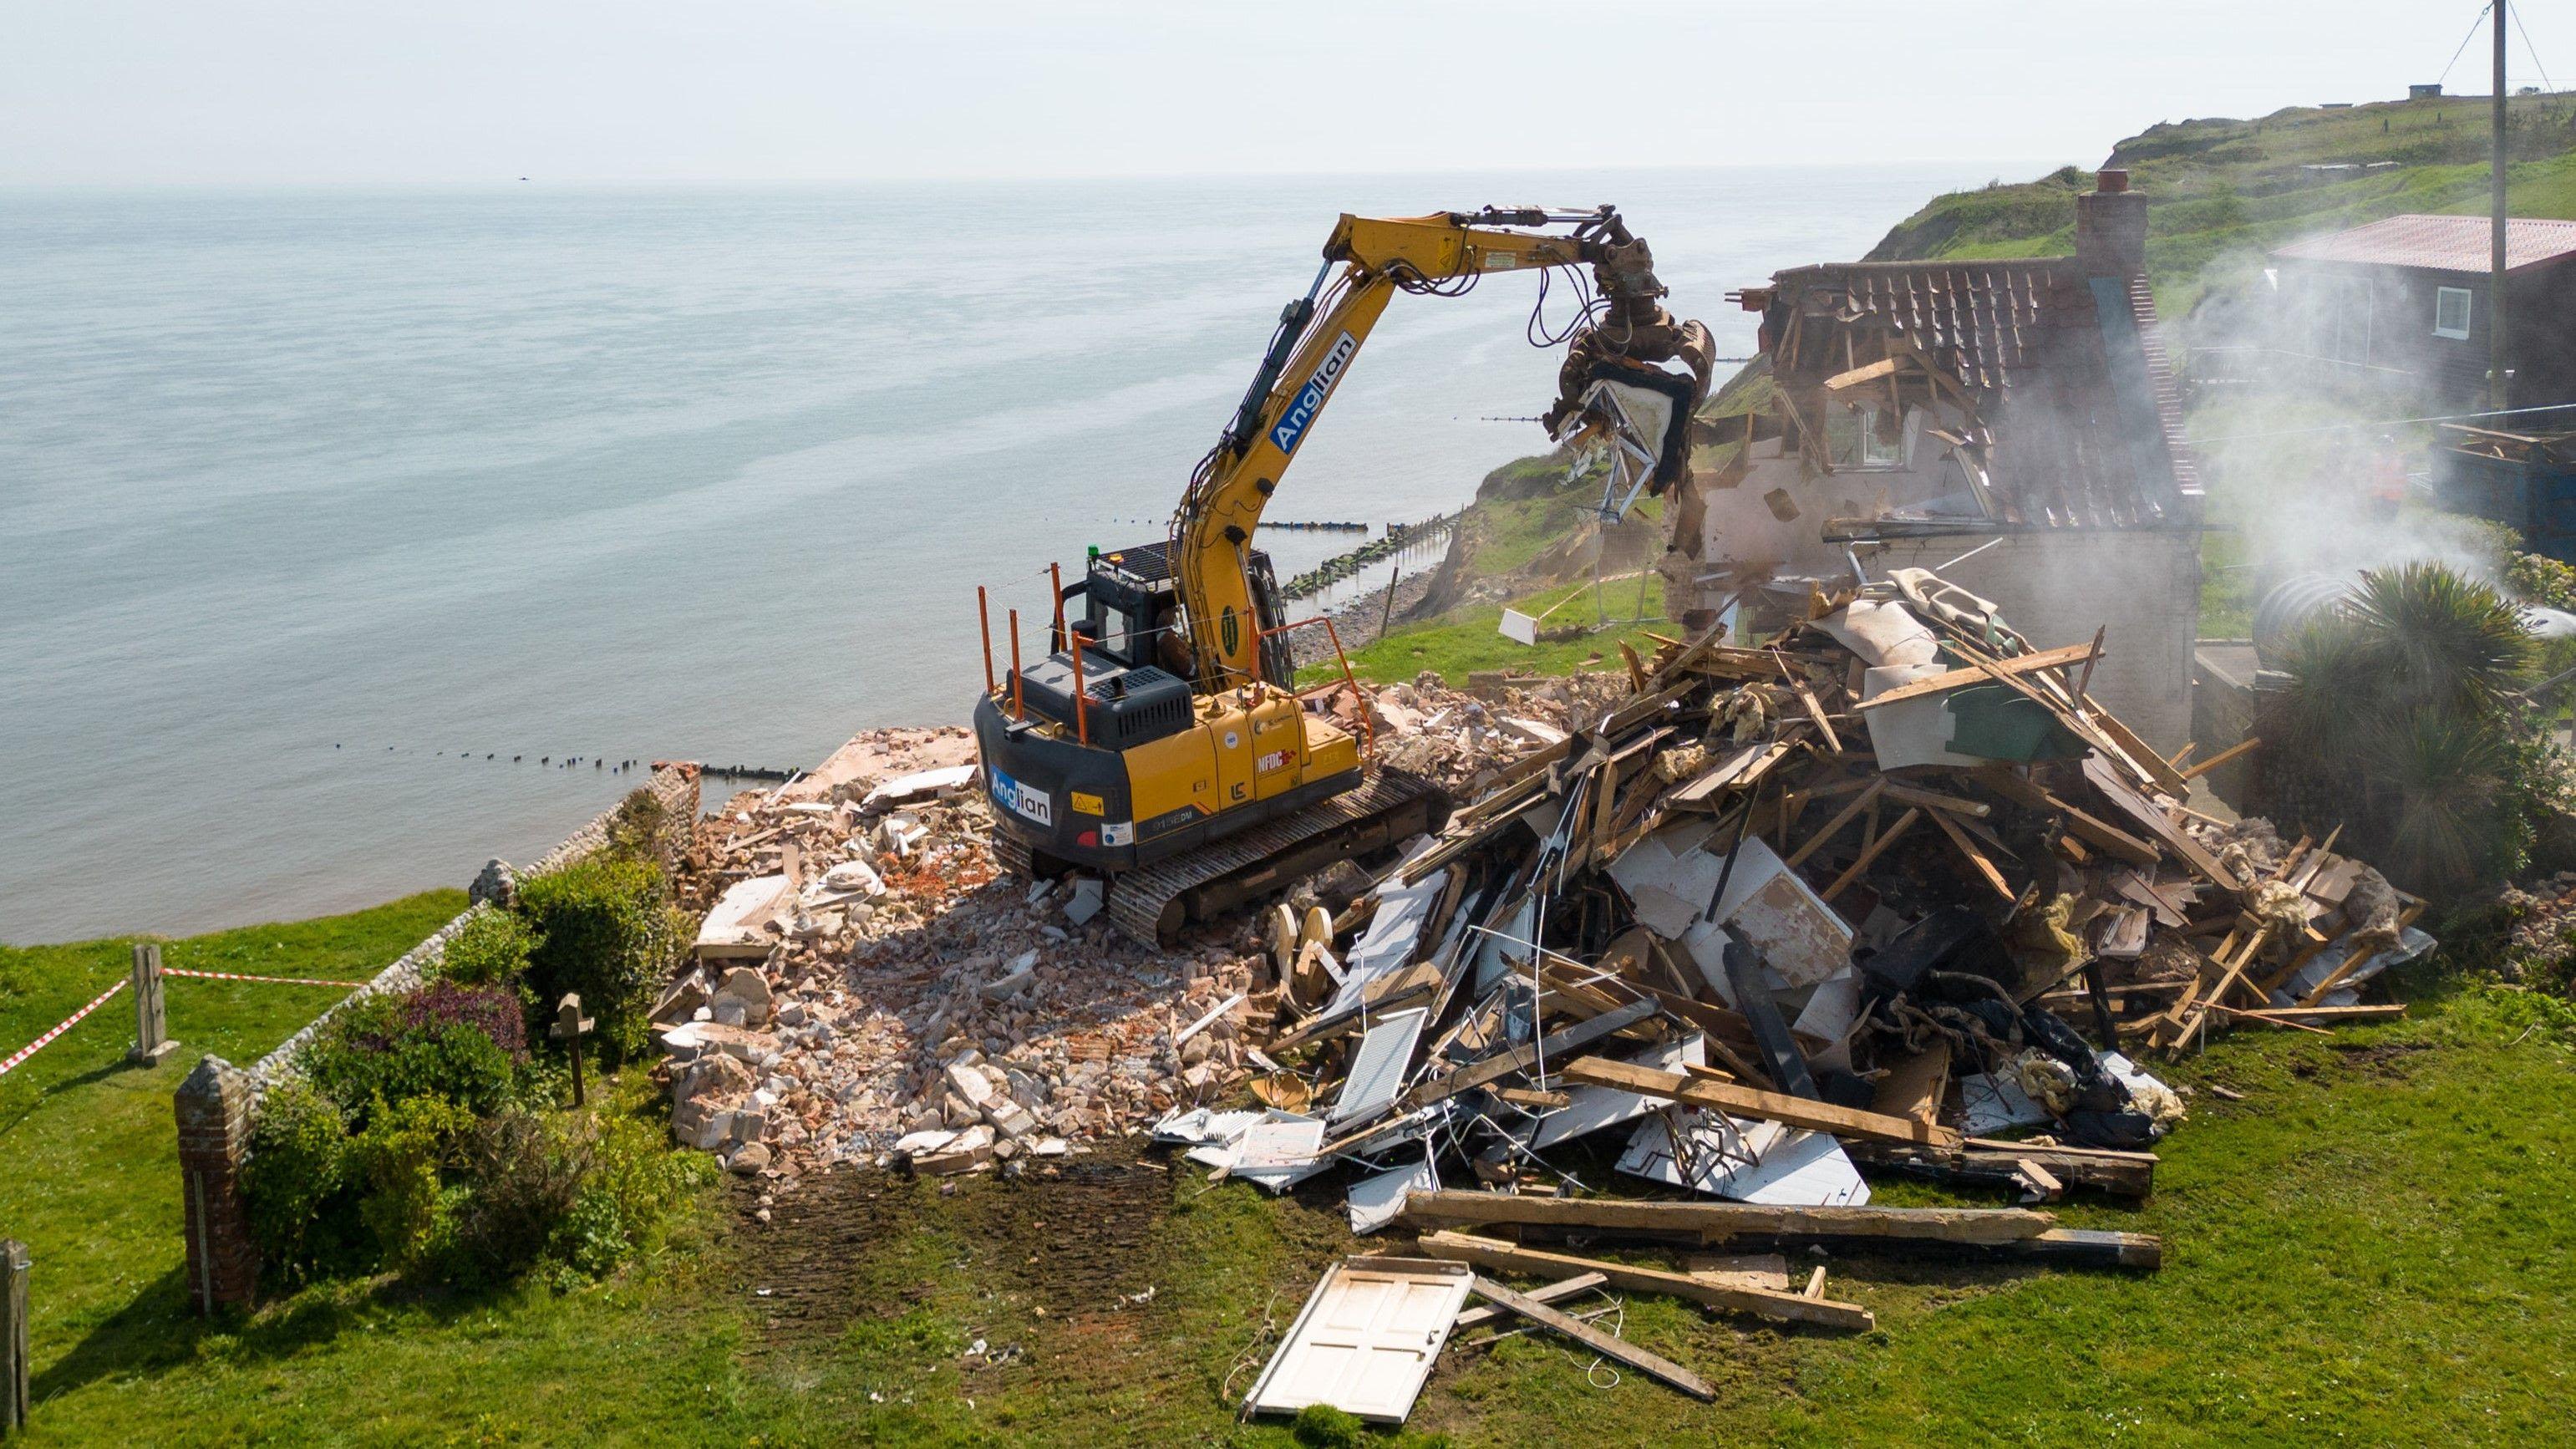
[
  {"x": 1365, "y": 1340},
  {"x": 1760, "y": 1162}
]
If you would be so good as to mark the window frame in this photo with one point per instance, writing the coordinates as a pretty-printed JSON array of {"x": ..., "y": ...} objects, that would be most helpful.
[{"x": 2468, "y": 312}]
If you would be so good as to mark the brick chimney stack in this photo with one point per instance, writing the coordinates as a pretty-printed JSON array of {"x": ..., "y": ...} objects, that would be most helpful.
[{"x": 2111, "y": 227}]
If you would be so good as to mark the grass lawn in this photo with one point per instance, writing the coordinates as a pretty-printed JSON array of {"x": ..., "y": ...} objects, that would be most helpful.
[{"x": 2369, "y": 1247}]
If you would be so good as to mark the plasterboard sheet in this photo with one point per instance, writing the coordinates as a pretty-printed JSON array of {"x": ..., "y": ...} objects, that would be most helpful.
[
  {"x": 1761, "y": 1162},
  {"x": 1366, "y": 1339},
  {"x": 733, "y": 927},
  {"x": 1802, "y": 940},
  {"x": 1830, "y": 1011},
  {"x": 1910, "y": 731},
  {"x": 1882, "y": 632},
  {"x": 1376, "y": 1075},
  {"x": 1997, "y": 1104},
  {"x": 1377, "y": 1200},
  {"x": 1589, "y": 1109}
]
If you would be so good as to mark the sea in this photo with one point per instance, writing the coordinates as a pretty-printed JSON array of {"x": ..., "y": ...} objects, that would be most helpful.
[{"x": 334, "y": 522}]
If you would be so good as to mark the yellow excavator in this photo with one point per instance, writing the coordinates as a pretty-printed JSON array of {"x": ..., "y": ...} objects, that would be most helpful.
[{"x": 1161, "y": 742}]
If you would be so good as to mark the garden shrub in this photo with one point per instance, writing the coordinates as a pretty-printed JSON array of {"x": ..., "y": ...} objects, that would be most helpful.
[
  {"x": 522, "y": 1176},
  {"x": 636, "y": 1185},
  {"x": 606, "y": 931},
  {"x": 296, "y": 1180},
  {"x": 460, "y": 1044},
  {"x": 643, "y": 828},
  {"x": 492, "y": 949},
  {"x": 400, "y": 1164}
]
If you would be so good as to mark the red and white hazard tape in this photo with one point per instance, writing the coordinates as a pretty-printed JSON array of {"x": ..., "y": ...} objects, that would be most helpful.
[
  {"x": 31, "y": 1048},
  {"x": 273, "y": 980}
]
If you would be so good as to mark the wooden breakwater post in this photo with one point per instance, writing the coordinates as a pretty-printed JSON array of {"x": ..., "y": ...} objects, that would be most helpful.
[
  {"x": 14, "y": 1265},
  {"x": 152, "y": 1040}
]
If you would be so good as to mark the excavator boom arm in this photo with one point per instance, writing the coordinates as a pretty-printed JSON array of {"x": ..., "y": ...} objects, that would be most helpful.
[{"x": 1308, "y": 358}]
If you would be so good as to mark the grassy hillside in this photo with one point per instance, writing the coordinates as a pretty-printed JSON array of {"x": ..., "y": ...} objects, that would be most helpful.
[{"x": 2217, "y": 187}]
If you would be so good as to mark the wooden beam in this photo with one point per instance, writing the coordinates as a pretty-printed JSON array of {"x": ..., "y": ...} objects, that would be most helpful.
[
  {"x": 1715, "y": 1221},
  {"x": 1859, "y": 803},
  {"x": 1985, "y": 868},
  {"x": 1747, "y": 1102},
  {"x": 1866, "y": 372},
  {"x": 1505, "y": 1257},
  {"x": 2242, "y": 747},
  {"x": 1871, "y": 852},
  {"x": 1594, "y": 1339},
  {"x": 1556, "y": 1292},
  {"x": 2093, "y": 830},
  {"x": 1522, "y": 1058},
  {"x": 1958, "y": 678}
]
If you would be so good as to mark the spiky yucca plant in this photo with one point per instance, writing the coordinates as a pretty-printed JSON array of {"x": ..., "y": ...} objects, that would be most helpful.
[
  {"x": 2436, "y": 783},
  {"x": 2439, "y": 640},
  {"x": 2398, "y": 723}
]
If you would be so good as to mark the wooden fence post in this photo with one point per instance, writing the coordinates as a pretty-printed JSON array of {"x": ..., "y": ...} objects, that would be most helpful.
[
  {"x": 151, "y": 1020},
  {"x": 13, "y": 1336}
]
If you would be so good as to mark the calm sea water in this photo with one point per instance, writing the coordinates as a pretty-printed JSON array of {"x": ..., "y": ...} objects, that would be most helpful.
[{"x": 310, "y": 501}]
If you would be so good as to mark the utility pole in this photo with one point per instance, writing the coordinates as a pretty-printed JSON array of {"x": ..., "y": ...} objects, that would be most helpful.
[{"x": 2495, "y": 228}]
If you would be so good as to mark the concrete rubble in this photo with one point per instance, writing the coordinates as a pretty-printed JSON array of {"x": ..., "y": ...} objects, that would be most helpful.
[{"x": 867, "y": 986}]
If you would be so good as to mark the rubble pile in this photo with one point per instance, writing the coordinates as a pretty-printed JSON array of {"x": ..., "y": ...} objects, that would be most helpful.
[
  {"x": 866, "y": 984},
  {"x": 1890, "y": 893},
  {"x": 1457, "y": 736}
]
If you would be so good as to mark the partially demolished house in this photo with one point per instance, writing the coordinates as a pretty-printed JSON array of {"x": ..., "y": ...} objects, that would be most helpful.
[{"x": 2013, "y": 425}]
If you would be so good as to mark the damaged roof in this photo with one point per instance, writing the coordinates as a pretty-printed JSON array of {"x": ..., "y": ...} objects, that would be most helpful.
[
  {"x": 2439, "y": 243},
  {"x": 2069, "y": 371}
]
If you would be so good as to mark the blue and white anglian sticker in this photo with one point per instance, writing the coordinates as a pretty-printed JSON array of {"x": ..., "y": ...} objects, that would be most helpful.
[
  {"x": 1292, "y": 424},
  {"x": 1027, "y": 800}
]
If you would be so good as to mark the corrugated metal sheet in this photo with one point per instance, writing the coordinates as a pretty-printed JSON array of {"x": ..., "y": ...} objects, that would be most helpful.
[
  {"x": 1366, "y": 1338},
  {"x": 2439, "y": 243}
]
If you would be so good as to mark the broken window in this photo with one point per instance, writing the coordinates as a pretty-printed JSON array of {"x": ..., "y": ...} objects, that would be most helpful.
[{"x": 1866, "y": 435}]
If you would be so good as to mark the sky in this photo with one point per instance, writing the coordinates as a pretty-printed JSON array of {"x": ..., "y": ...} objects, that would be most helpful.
[{"x": 146, "y": 92}]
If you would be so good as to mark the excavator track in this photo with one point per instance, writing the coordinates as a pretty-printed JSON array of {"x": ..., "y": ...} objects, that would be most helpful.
[{"x": 1154, "y": 902}]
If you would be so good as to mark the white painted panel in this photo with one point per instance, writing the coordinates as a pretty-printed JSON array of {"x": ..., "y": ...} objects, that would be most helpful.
[
  {"x": 1376, "y": 1076},
  {"x": 1366, "y": 1339}
]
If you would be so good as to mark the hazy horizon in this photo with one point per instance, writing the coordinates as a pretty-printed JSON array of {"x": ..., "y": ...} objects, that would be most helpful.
[{"x": 128, "y": 93}]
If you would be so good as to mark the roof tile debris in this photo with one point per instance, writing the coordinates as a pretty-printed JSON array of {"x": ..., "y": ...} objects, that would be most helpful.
[{"x": 2071, "y": 370}]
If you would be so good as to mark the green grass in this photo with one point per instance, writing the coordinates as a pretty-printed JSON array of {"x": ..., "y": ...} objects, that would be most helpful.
[
  {"x": 2221, "y": 191},
  {"x": 2369, "y": 1247},
  {"x": 1466, "y": 640}
]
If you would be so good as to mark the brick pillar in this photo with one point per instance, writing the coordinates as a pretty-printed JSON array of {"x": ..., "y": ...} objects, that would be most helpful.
[{"x": 214, "y": 1135}]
